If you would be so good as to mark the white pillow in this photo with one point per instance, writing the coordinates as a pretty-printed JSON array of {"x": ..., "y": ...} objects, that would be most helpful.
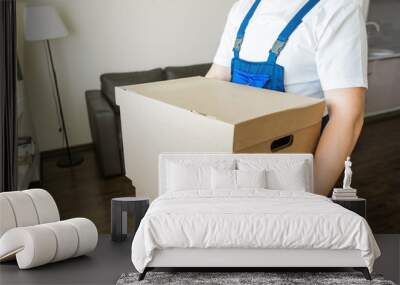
[
  {"x": 191, "y": 174},
  {"x": 185, "y": 177},
  {"x": 282, "y": 174},
  {"x": 291, "y": 180},
  {"x": 251, "y": 178},
  {"x": 223, "y": 179},
  {"x": 237, "y": 179}
]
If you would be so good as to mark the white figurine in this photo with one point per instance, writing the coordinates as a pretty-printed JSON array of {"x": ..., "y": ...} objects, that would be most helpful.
[{"x": 347, "y": 174}]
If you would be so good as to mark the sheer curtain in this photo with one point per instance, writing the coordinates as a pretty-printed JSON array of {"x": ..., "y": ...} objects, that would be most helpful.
[{"x": 8, "y": 132}]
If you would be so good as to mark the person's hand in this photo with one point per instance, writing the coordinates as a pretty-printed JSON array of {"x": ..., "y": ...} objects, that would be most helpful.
[{"x": 219, "y": 72}]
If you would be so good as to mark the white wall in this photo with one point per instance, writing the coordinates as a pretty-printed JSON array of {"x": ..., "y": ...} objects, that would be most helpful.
[{"x": 114, "y": 36}]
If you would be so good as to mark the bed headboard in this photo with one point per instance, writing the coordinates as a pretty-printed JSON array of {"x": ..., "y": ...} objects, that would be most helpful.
[{"x": 166, "y": 158}]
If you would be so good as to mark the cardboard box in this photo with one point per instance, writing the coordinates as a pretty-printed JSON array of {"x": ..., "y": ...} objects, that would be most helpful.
[{"x": 205, "y": 115}]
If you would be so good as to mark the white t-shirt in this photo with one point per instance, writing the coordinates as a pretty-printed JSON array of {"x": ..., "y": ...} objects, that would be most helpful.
[{"x": 327, "y": 51}]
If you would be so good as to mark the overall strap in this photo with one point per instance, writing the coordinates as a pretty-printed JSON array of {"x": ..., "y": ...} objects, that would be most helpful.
[
  {"x": 243, "y": 27},
  {"x": 289, "y": 29}
]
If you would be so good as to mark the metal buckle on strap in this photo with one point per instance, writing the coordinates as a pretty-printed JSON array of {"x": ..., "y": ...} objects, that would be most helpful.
[
  {"x": 238, "y": 43},
  {"x": 278, "y": 47}
]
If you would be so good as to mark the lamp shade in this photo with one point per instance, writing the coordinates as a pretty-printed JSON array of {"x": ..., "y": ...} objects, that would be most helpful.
[{"x": 43, "y": 23}]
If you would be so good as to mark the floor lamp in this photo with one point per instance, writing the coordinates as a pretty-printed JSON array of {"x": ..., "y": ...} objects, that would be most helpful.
[{"x": 43, "y": 23}]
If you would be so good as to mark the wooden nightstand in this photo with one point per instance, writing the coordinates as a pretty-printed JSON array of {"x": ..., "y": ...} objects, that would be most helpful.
[{"x": 357, "y": 205}]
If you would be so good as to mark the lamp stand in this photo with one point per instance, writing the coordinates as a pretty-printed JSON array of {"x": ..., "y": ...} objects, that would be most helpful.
[{"x": 71, "y": 159}]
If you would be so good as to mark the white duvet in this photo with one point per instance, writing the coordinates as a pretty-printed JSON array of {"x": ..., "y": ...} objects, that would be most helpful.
[{"x": 250, "y": 219}]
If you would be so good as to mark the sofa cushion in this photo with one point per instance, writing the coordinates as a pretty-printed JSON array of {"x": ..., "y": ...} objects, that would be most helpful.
[
  {"x": 174, "y": 72},
  {"x": 111, "y": 80}
]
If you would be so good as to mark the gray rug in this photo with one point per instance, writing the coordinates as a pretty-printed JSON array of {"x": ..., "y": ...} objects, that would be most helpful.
[{"x": 236, "y": 278}]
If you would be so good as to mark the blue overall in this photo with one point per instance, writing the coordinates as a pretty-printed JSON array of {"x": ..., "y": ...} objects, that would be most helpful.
[{"x": 267, "y": 74}]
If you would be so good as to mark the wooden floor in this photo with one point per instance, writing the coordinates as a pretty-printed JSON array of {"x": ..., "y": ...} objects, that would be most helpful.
[
  {"x": 81, "y": 191},
  {"x": 376, "y": 174}
]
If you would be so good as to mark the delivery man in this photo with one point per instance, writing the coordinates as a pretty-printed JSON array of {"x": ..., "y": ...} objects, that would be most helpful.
[{"x": 307, "y": 47}]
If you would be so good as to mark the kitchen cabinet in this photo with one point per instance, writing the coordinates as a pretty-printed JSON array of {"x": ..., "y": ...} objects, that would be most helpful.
[{"x": 384, "y": 86}]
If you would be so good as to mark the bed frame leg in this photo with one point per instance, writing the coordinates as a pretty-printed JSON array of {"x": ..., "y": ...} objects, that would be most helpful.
[
  {"x": 364, "y": 271},
  {"x": 143, "y": 274}
]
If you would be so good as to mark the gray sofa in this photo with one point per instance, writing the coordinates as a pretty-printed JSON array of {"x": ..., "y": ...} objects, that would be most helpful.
[{"x": 104, "y": 118}]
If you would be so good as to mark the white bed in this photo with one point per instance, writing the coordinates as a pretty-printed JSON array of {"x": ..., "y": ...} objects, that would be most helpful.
[{"x": 201, "y": 226}]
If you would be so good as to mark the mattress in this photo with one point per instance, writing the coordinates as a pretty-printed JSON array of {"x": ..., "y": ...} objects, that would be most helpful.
[{"x": 251, "y": 219}]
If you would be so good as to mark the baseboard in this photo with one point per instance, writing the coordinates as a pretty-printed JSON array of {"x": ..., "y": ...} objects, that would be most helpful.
[
  {"x": 60, "y": 151},
  {"x": 381, "y": 116}
]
